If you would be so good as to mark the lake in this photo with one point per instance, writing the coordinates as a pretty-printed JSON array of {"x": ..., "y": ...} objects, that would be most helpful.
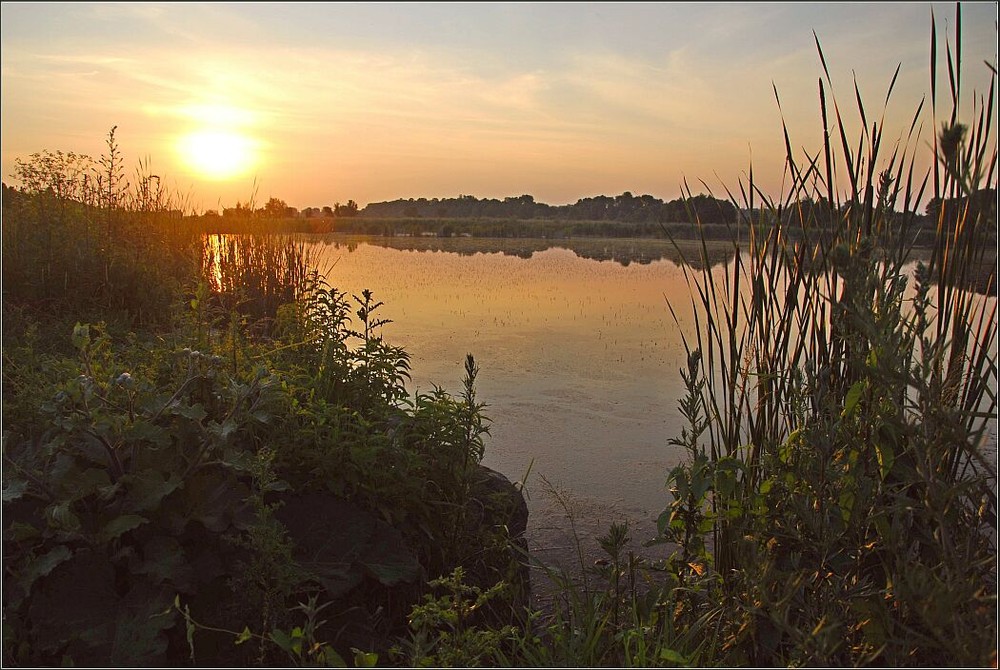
[
  {"x": 579, "y": 361},
  {"x": 578, "y": 358}
]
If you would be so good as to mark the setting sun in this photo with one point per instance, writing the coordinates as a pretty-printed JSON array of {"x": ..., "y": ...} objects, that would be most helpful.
[{"x": 217, "y": 154}]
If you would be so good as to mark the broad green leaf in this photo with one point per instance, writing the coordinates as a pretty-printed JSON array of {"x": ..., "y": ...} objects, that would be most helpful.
[
  {"x": 886, "y": 458},
  {"x": 14, "y": 489},
  {"x": 278, "y": 485},
  {"x": 331, "y": 659},
  {"x": 163, "y": 560},
  {"x": 193, "y": 412},
  {"x": 120, "y": 525},
  {"x": 147, "y": 489},
  {"x": 62, "y": 517},
  {"x": 852, "y": 398},
  {"x": 79, "y": 604},
  {"x": 143, "y": 431},
  {"x": 339, "y": 543},
  {"x": 662, "y": 522},
  {"x": 213, "y": 497},
  {"x": 20, "y": 531},
  {"x": 42, "y": 566},
  {"x": 363, "y": 659},
  {"x": 282, "y": 639},
  {"x": 82, "y": 484}
]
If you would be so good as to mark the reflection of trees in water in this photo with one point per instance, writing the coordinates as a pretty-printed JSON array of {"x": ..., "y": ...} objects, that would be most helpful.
[{"x": 622, "y": 251}]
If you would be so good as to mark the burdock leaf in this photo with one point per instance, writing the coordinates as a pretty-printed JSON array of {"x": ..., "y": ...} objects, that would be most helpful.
[{"x": 121, "y": 525}]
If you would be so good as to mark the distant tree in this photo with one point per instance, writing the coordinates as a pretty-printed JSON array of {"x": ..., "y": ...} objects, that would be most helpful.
[
  {"x": 62, "y": 175},
  {"x": 275, "y": 208},
  {"x": 982, "y": 206},
  {"x": 350, "y": 209},
  {"x": 327, "y": 211},
  {"x": 239, "y": 211}
]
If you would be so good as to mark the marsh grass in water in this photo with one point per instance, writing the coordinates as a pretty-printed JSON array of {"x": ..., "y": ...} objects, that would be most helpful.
[{"x": 841, "y": 494}]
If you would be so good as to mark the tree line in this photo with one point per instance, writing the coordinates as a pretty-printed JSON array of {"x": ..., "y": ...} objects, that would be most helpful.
[
  {"x": 623, "y": 208},
  {"x": 276, "y": 208}
]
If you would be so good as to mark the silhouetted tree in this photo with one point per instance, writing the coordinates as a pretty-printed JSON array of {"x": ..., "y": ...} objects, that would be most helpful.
[{"x": 350, "y": 209}]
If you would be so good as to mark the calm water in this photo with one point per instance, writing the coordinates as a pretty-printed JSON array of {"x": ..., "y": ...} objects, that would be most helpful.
[
  {"x": 579, "y": 358},
  {"x": 579, "y": 364}
]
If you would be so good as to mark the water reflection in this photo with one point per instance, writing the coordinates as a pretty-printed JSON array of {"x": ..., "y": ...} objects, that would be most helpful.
[
  {"x": 579, "y": 357},
  {"x": 579, "y": 361},
  {"x": 621, "y": 251}
]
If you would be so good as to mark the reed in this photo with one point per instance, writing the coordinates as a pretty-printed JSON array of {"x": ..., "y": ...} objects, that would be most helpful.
[
  {"x": 847, "y": 395},
  {"x": 256, "y": 274}
]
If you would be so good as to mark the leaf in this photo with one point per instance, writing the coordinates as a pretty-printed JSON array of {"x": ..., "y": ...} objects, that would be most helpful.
[
  {"x": 331, "y": 659},
  {"x": 164, "y": 561},
  {"x": 671, "y": 656},
  {"x": 245, "y": 636},
  {"x": 282, "y": 639},
  {"x": 213, "y": 497},
  {"x": 147, "y": 489},
  {"x": 193, "y": 412},
  {"x": 19, "y": 531},
  {"x": 364, "y": 659},
  {"x": 44, "y": 565},
  {"x": 662, "y": 522},
  {"x": 61, "y": 517},
  {"x": 886, "y": 458},
  {"x": 340, "y": 543},
  {"x": 278, "y": 485},
  {"x": 15, "y": 592},
  {"x": 852, "y": 398},
  {"x": 79, "y": 606},
  {"x": 82, "y": 484},
  {"x": 120, "y": 525},
  {"x": 14, "y": 489},
  {"x": 143, "y": 431},
  {"x": 225, "y": 429}
]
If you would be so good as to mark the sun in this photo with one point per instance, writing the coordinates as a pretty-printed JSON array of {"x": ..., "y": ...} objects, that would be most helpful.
[{"x": 218, "y": 154}]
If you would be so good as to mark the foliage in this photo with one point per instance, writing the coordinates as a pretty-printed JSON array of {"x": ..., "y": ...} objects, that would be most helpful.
[
  {"x": 442, "y": 631},
  {"x": 621, "y": 209},
  {"x": 840, "y": 501},
  {"x": 77, "y": 236},
  {"x": 148, "y": 466},
  {"x": 112, "y": 500}
]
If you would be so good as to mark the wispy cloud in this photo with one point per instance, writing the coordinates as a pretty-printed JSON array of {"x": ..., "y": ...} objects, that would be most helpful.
[{"x": 339, "y": 104}]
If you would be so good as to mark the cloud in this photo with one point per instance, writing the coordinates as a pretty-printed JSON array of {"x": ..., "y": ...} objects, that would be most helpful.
[{"x": 343, "y": 107}]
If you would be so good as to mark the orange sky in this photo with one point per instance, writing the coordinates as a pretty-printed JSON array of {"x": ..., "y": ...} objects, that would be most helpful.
[{"x": 321, "y": 103}]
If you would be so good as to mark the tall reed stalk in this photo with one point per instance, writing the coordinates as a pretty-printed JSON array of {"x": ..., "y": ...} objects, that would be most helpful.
[
  {"x": 851, "y": 393},
  {"x": 256, "y": 274}
]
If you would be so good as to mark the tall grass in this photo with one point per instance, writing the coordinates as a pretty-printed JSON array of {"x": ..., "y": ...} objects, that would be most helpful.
[
  {"x": 78, "y": 236},
  {"x": 256, "y": 274},
  {"x": 843, "y": 398}
]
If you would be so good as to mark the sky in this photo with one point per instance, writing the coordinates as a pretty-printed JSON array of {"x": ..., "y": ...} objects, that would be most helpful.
[{"x": 318, "y": 103}]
